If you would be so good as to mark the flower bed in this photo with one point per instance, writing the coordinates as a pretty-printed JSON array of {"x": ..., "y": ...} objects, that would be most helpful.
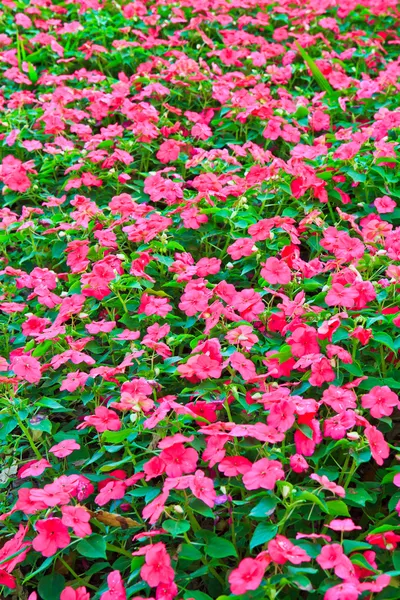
[{"x": 200, "y": 260}]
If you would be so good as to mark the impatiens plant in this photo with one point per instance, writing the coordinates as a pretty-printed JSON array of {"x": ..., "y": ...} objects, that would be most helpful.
[{"x": 199, "y": 312}]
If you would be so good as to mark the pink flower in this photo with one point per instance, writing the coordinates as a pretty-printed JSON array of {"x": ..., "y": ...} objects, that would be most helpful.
[
  {"x": 203, "y": 488},
  {"x": 13, "y": 174},
  {"x": 281, "y": 550},
  {"x": 330, "y": 556},
  {"x": 243, "y": 365},
  {"x": 336, "y": 426},
  {"x": 276, "y": 271},
  {"x": 329, "y": 485},
  {"x": 231, "y": 466},
  {"x": 34, "y": 468},
  {"x": 242, "y": 335},
  {"x": 321, "y": 372},
  {"x": 12, "y": 553},
  {"x": 378, "y": 585},
  {"x": 116, "y": 588},
  {"x": 157, "y": 568},
  {"x": 377, "y": 444},
  {"x": 114, "y": 490},
  {"x": 154, "y": 468},
  {"x": 343, "y": 591},
  {"x": 103, "y": 419},
  {"x": 27, "y": 367},
  {"x": 343, "y": 525},
  {"x": 77, "y": 518},
  {"x": 242, "y": 247},
  {"x": 298, "y": 463},
  {"x": 263, "y": 474},
  {"x": 201, "y": 367},
  {"x": 152, "y": 305},
  {"x": 384, "y": 204},
  {"x": 281, "y": 415},
  {"x": 53, "y": 535},
  {"x": 64, "y": 448},
  {"x": 73, "y": 381},
  {"x": 155, "y": 508},
  {"x": 247, "y": 576},
  {"x": 179, "y": 460},
  {"x": 339, "y": 295},
  {"x": 70, "y": 593},
  {"x": 381, "y": 401},
  {"x": 100, "y": 326}
]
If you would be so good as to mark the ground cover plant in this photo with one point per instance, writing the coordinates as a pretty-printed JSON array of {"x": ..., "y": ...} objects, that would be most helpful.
[{"x": 200, "y": 265}]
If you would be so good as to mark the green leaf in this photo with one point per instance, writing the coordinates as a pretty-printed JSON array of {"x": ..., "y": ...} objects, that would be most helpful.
[
  {"x": 264, "y": 508},
  {"x": 385, "y": 339},
  {"x": 302, "y": 582},
  {"x": 396, "y": 560},
  {"x": 201, "y": 508},
  {"x": 176, "y": 528},
  {"x": 33, "y": 76},
  {"x": 306, "y": 429},
  {"x": 116, "y": 436},
  {"x": 354, "y": 545},
  {"x": 189, "y": 552},
  {"x": 337, "y": 508},
  {"x": 263, "y": 533},
  {"x": 220, "y": 548},
  {"x": 44, "y": 425},
  {"x": 358, "y": 496},
  {"x": 357, "y": 177},
  {"x": 317, "y": 74},
  {"x": 359, "y": 560},
  {"x": 51, "y": 586},
  {"x": 50, "y": 403},
  {"x": 197, "y": 595},
  {"x": 93, "y": 547},
  {"x": 371, "y": 382},
  {"x": 384, "y": 528},
  {"x": 309, "y": 497}
]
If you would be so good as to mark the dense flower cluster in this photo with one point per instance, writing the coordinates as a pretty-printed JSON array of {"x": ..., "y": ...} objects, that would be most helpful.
[{"x": 199, "y": 266}]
